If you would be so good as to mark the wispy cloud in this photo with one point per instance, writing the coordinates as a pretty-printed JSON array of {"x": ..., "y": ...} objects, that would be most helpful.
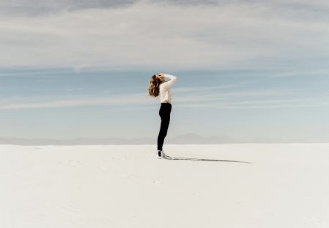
[
  {"x": 207, "y": 88},
  {"x": 162, "y": 34},
  {"x": 45, "y": 7},
  {"x": 320, "y": 72},
  {"x": 268, "y": 104},
  {"x": 74, "y": 102},
  {"x": 217, "y": 99},
  {"x": 229, "y": 95},
  {"x": 27, "y": 73}
]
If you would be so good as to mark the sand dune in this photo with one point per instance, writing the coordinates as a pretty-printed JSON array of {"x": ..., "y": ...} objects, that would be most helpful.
[{"x": 270, "y": 185}]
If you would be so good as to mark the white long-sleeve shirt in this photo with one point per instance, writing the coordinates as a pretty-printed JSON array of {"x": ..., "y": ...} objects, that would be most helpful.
[{"x": 165, "y": 93}]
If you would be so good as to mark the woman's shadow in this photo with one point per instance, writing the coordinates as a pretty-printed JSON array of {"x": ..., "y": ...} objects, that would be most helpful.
[{"x": 201, "y": 159}]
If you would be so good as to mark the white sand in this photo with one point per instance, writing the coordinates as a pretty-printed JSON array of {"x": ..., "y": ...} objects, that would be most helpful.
[{"x": 287, "y": 185}]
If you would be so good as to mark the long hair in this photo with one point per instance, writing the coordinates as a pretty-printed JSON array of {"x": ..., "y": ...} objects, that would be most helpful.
[{"x": 154, "y": 85}]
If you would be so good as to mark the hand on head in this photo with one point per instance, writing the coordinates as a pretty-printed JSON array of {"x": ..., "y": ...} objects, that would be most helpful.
[{"x": 161, "y": 75}]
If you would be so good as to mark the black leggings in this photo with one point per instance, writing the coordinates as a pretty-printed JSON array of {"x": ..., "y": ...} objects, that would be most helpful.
[{"x": 164, "y": 113}]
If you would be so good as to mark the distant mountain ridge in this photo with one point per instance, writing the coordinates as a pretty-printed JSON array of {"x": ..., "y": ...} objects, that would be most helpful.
[{"x": 189, "y": 138}]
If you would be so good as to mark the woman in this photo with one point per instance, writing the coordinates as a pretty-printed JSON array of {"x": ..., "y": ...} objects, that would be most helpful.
[{"x": 159, "y": 87}]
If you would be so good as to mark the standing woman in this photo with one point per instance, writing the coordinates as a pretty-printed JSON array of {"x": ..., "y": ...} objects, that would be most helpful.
[{"x": 159, "y": 87}]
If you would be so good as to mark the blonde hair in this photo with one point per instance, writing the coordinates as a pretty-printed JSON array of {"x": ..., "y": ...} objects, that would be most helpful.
[{"x": 154, "y": 85}]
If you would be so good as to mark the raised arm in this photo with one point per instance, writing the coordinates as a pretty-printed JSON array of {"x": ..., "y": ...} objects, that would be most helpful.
[{"x": 173, "y": 79}]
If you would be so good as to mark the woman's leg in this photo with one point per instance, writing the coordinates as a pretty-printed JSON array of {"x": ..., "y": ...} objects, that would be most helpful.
[{"x": 164, "y": 113}]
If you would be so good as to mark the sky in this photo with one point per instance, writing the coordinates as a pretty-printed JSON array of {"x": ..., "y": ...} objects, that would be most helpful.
[{"x": 245, "y": 69}]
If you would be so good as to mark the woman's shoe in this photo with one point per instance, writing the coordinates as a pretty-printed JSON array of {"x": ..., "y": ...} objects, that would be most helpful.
[{"x": 160, "y": 154}]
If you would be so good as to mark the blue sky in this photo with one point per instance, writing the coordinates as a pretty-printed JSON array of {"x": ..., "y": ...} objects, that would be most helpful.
[{"x": 245, "y": 70}]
